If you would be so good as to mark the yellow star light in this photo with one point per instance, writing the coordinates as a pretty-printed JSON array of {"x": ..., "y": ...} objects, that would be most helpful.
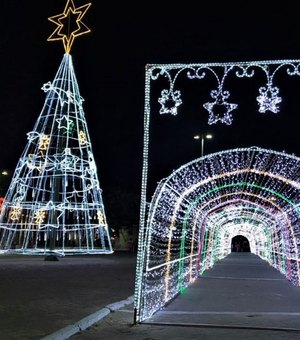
[{"x": 65, "y": 31}]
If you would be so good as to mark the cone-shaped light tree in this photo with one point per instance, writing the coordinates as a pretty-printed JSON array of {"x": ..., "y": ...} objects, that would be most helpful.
[{"x": 54, "y": 202}]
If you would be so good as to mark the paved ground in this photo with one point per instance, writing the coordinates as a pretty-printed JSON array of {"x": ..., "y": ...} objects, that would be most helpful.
[
  {"x": 39, "y": 297},
  {"x": 241, "y": 297},
  {"x": 118, "y": 326}
]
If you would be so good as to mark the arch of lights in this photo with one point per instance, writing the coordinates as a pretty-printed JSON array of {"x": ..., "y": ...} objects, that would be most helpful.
[
  {"x": 195, "y": 212},
  {"x": 200, "y": 207}
]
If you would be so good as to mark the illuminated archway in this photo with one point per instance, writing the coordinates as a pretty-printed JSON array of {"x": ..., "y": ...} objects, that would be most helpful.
[{"x": 200, "y": 207}]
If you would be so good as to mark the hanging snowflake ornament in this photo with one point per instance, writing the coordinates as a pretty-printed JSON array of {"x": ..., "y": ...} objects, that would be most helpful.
[
  {"x": 268, "y": 99},
  {"x": 169, "y": 101},
  {"x": 220, "y": 109}
]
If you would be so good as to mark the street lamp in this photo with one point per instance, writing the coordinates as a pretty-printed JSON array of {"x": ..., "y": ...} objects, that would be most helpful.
[
  {"x": 3, "y": 180},
  {"x": 202, "y": 137}
]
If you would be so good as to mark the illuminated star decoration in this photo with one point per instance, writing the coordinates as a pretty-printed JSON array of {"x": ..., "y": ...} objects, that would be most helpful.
[
  {"x": 220, "y": 109},
  {"x": 65, "y": 123},
  {"x": 169, "y": 101},
  {"x": 69, "y": 24},
  {"x": 268, "y": 99}
]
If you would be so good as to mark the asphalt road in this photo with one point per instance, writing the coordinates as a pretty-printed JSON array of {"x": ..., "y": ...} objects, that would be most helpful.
[
  {"x": 241, "y": 297},
  {"x": 39, "y": 297}
]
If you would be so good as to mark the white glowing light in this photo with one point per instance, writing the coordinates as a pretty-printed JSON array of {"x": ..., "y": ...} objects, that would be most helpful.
[
  {"x": 220, "y": 104},
  {"x": 197, "y": 210},
  {"x": 220, "y": 109},
  {"x": 192, "y": 217},
  {"x": 54, "y": 202},
  {"x": 268, "y": 99},
  {"x": 169, "y": 102}
]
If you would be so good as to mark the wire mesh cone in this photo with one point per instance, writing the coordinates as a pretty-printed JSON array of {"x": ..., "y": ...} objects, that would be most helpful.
[{"x": 54, "y": 202}]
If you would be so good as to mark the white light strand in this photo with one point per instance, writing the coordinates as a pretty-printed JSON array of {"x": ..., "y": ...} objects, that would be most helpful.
[
  {"x": 200, "y": 207},
  {"x": 220, "y": 109},
  {"x": 54, "y": 202}
]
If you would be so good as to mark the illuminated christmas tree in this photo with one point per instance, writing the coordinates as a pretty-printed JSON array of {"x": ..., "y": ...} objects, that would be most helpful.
[{"x": 54, "y": 202}]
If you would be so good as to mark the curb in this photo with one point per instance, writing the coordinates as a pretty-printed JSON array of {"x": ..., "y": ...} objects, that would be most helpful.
[{"x": 88, "y": 321}]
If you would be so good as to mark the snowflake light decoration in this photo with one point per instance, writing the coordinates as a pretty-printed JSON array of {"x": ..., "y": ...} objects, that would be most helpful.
[
  {"x": 269, "y": 99},
  {"x": 169, "y": 101}
]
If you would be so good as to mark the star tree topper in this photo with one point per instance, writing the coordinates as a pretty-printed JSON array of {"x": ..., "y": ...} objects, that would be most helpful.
[{"x": 69, "y": 24}]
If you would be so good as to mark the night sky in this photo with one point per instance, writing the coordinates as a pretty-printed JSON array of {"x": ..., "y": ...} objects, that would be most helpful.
[{"x": 110, "y": 65}]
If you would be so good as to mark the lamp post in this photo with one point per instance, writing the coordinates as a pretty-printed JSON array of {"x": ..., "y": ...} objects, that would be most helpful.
[
  {"x": 202, "y": 137},
  {"x": 4, "y": 174}
]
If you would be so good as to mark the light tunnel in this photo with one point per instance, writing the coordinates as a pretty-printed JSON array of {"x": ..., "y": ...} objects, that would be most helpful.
[{"x": 197, "y": 210}]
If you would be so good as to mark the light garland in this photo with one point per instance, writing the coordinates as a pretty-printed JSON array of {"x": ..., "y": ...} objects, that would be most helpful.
[{"x": 220, "y": 109}]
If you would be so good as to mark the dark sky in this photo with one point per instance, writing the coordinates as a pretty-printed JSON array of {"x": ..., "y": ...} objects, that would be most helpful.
[{"x": 110, "y": 68}]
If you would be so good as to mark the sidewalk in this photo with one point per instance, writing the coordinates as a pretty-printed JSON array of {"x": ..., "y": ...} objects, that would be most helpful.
[{"x": 118, "y": 326}]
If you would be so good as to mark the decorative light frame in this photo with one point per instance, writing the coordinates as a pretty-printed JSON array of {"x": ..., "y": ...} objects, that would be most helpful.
[
  {"x": 268, "y": 98},
  {"x": 283, "y": 234}
]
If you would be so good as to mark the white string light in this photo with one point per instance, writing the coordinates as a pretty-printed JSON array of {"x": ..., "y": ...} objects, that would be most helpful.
[
  {"x": 219, "y": 109},
  {"x": 54, "y": 202},
  {"x": 200, "y": 207},
  {"x": 167, "y": 233}
]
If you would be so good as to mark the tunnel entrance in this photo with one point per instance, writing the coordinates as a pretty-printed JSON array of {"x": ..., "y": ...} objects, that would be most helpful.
[
  {"x": 240, "y": 243},
  {"x": 247, "y": 198}
]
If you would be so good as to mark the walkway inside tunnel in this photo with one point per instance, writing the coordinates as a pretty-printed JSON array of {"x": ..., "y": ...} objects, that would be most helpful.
[{"x": 242, "y": 291}]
